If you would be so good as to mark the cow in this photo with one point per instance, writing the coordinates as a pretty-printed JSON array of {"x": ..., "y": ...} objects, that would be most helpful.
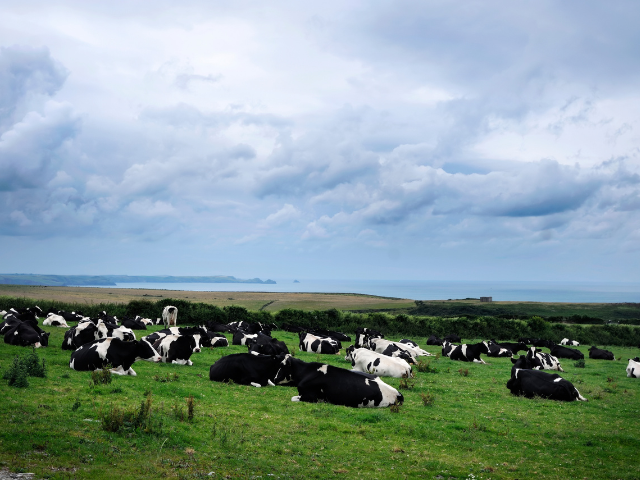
[
  {"x": 434, "y": 340},
  {"x": 145, "y": 321},
  {"x": 464, "y": 352},
  {"x": 514, "y": 347},
  {"x": 337, "y": 336},
  {"x": 120, "y": 355},
  {"x": 70, "y": 316},
  {"x": 495, "y": 350},
  {"x": 533, "y": 383},
  {"x": 215, "y": 340},
  {"x": 77, "y": 336},
  {"x": 240, "y": 337},
  {"x": 218, "y": 327},
  {"x": 539, "y": 361},
  {"x": 272, "y": 348},
  {"x": 598, "y": 354},
  {"x": 106, "y": 330},
  {"x": 566, "y": 341},
  {"x": 247, "y": 369},
  {"x": 363, "y": 335},
  {"x": 170, "y": 316},
  {"x": 452, "y": 338},
  {"x": 241, "y": 325},
  {"x": 54, "y": 320},
  {"x": 10, "y": 321},
  {"x": 363, "y": 360},
  {"x": 321, "y": 382},
  {"x": 313, "y": 344},
  {"x": 25, "y": 334},
  {"x": 133, "y": 324},
  {"x": 396, "y": 349},
  {"x": 633, "y": 368},
  {"x": 541, "y": 342},
  {"x": 325, "y": 337},
  {"x": 559, "y": 351},
  {"x": 106, "y": 318},
  {"x": 411, "y": 343},
  {"x": 177, "y": 348}
]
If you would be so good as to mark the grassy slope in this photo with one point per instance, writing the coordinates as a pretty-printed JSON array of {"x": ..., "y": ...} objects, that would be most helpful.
[{"x": 475, "y": 426}]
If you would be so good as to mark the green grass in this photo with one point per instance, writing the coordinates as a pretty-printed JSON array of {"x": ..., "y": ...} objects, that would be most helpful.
[{"x": 474, "y": 426}]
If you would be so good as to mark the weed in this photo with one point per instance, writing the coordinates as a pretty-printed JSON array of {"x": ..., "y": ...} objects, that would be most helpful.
[
  {"x": 139, "y": 420},
  {"x": 438, "y": 355},
  {"x": 580, "y": 363},
  {"x": 191, "y": 406},
  {"x": 101, "y": 377},
  {"x": 405, "y": 384},
  {"x": 169, "y": 377},
  {"x": 23, "y": 367},
  {"x": 610, "y": 379},
  {"x": 76, "y": 405},
  {"x": 428, "y": 399},
  {"x": 395, "y": 407},
  {"x": 178, "y": 412},
  {"x": 117, "y": 390},
  {"x": 112, "y": 420},
  {"x": 426, "y": 367},
  {"x": 464, "y": 372}
]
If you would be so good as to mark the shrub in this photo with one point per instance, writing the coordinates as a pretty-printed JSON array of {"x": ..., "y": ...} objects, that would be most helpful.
[
  {"x": 405, "y": 384},
  {"x": 580, "y": 363},
  {"x": 101, "y": 377},
  {"x": 395, "y": 407},
  {"x": 427, "y": 399},
  {"x": 138, "y": 419},
  {"x": 23, "y": 367},
  {"x": 426, "y": 367}
]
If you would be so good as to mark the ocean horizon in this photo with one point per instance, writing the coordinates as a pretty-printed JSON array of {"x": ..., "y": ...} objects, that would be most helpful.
[{"x": 573, "y": 292}]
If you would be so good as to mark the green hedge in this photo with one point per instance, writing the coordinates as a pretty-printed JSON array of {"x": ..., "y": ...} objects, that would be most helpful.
[{"x": 486, "y": 327}]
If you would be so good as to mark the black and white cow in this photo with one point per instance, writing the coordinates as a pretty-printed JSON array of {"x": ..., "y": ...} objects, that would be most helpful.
[
  {"x": 598, "y": 354},
  {"x": 10, "y": 321},
  {"x": 25, "y": 334},
  {"x": 396, "y": 349},
  {"x": 77, "y": 336},
  {"x": 115, "y": 352},
  {"x": 240, "y": 337},
  {"x": 406, "y": 341},
  {"x": 534, "y": 383},
  {"x": 54, "y": 320},
  {"x": 633, "y": 368},
  {"x": 70, "y": 316},
  {"x": 514, "y": 347},
  {"x": 107, "y": 330},
  {"x": 247, "y": 369},
  {"x": 170, "y": 316},
  {"x": 325, "y": 337},
  {"x": 177, "y": 348},
  {"x": 464, "y": 352},
  {"x": 495, "y": 350},
  {"x": 266, "y": 345},
  {"x": 311, "y": 343},
  {"x": 364, "y": 360},
  {"x": 535, "y": 360},
  {"x": 320, "y": 382},
  {"x": 338, "y": 336},
  {"x": 566, "y": 341},
  {"x": 363, "y": 335},
  {"x": 434, "y": 340},
  {"x": 216, "y": 340},
  {"x": 541, "y": 342},
  {"x": 133, "y": 324},
  {"x": 106, "y": 318},
  {"x": 559, "y": 351}
]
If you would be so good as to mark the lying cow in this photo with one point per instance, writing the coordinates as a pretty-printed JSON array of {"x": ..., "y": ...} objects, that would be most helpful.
[
  {"x": 434, "y": 340},
  {"x": 77, "y": 336},
  {"x": 564, "y": 352},
  {"x": 133, "y": 324},
  {"x": 120, "y": 355},
  {"x": 321, "y": 382},
  {"x": 54, "y": 320},
  {"x": 311, "y": 343},
  {"x": 25, "y": 334},
  {"x": 108, "y": 330},
  {"x": 566, "y": 341},
  {"x": 534, "y": 383},
  {"x": 514, "y": 347},
  {"x": 633, "y": 368},
  {"x": 535, "y": 360},
  {"x": 177, "y": 348},
  {"x": 392, "y": 349},
  {"x": 240, "y": 337},
  {"x": 495, "y": 350},
  {"x": 364, "y": 335},
  {"x": 598, "y": 354},
  {"x": 247, "y": 369},
  {"x": 464, "y": 352},
  {"x": 272, "y": 347},
  {"x": 170, "y": 316},
  {"x": 338, "y": 336},
  {"x": 363, "y": 360},
  {"x": 452, "y": 338}
]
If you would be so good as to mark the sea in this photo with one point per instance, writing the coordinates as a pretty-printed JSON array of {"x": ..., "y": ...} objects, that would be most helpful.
[{"x": 578, "y": 292}]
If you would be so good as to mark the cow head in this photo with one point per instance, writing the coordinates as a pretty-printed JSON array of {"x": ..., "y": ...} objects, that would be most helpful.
[
  {"x": 349, "y": 355},
  {"x": 144, "y": 351}
]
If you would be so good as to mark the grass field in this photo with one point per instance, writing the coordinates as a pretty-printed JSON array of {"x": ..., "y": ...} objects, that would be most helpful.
[{"x": 473, "y": 429}]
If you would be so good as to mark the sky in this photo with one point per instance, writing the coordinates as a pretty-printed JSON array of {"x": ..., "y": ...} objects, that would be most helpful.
[{"x": 435, "y": 140}]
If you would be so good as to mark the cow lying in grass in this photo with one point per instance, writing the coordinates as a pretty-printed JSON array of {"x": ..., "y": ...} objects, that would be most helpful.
[
  {"x": 534, "y": 383},
  {"x": 320, "y": 382},
  {"x": 464, "y": 353},
  {"x": 120, "y": 355},
  {"x": 247, "y": 369},
  {"x": 599, "y": 354},
  {"x": 633, "y": 368},
  {"x": 535, "y": 360},
  {"x": 363, "y": 360}
]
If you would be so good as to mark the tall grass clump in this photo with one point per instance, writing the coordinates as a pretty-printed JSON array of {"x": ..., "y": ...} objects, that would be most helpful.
[{"x": 23, "y": 367}]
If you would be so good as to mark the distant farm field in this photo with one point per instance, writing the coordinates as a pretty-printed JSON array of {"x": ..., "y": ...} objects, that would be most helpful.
[{"x": 474, "y": 428}]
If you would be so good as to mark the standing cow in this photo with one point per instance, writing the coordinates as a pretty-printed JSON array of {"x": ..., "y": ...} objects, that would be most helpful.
[{"x": 170, "y": 316}]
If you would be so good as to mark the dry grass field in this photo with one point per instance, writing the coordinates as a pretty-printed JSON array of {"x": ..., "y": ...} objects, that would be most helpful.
[{"x": 250, "y": 300}]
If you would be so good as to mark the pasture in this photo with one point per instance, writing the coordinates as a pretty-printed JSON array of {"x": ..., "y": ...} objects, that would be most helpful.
[{"x": 473, "y": 429}]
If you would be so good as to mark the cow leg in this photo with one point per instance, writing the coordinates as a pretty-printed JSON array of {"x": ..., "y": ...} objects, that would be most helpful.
[
  {"x": 257, "y": 385},
  {"x": 132, "y": 372},
  {"x": 479, "y": 360},
  {"x": 118, "y": 370}
]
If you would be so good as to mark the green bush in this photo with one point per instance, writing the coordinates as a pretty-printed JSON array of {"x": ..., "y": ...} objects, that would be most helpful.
[{"x": 23, "y": 367}]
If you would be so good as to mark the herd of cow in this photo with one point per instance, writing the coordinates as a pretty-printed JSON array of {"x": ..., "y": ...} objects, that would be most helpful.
[{"x": 107, "y": 341}]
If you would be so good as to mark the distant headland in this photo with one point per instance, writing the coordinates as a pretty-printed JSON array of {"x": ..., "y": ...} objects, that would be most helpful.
[{"x": 113, "y": 280}]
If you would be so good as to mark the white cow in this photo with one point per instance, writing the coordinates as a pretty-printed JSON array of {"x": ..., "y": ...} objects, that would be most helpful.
[
  {"x": 566, "y": 341},
  {"x": 363, "y": 360},
  {"x": 633, "y": 369},
  {"x": 54, "y": 320},
  {"x": 170, "y": 316}
]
